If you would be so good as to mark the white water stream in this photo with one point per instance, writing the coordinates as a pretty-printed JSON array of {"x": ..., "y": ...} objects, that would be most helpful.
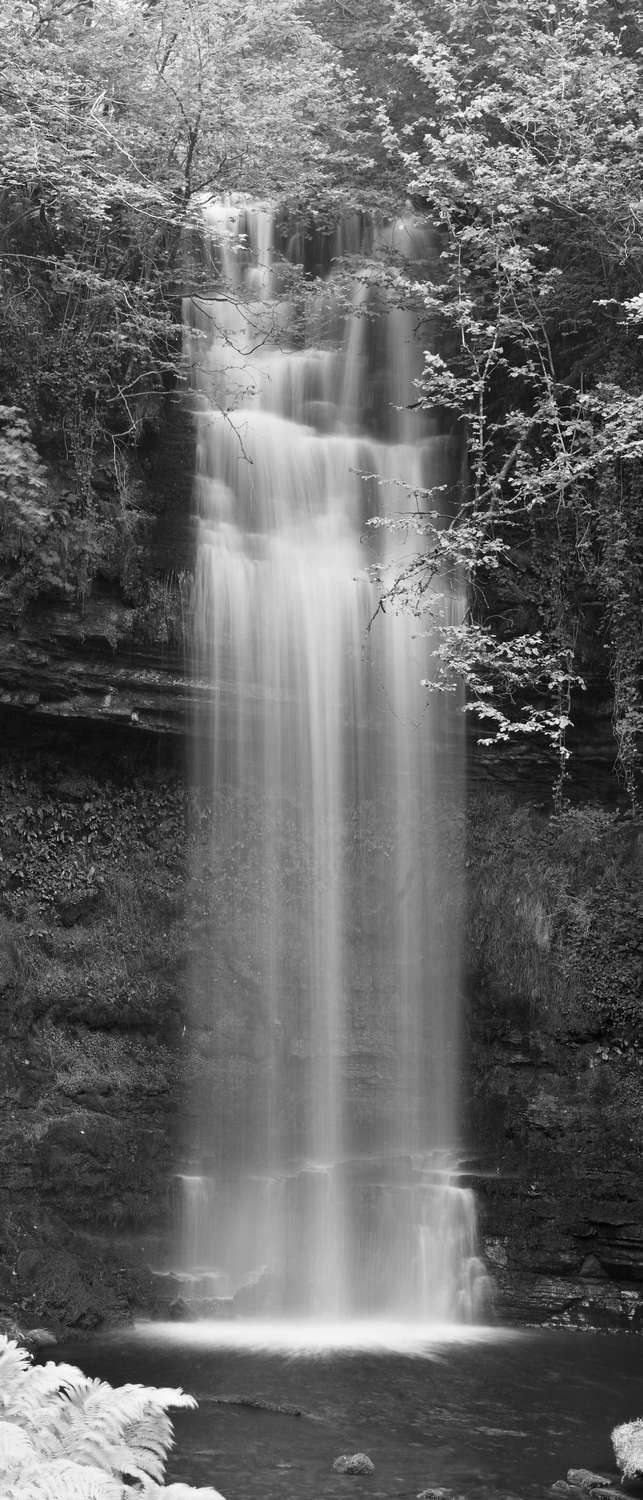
[{"x": 322, "y": 1178}]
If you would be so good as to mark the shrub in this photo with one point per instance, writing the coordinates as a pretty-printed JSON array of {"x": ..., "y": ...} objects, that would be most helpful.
[{"x": 627, "y": 1442}]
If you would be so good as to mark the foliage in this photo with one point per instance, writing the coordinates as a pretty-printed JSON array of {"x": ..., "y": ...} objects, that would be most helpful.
[
  {"x": 22, "y": 476},
  {"x": 50, "y": 547},
  {"x": 525, "y": 148},
  {"x": 82, "y": 1059},
  {"x": 627, "y": 1441},
  {"x": 62, "y": 1433},
  {"x": 116, "y": 118}
]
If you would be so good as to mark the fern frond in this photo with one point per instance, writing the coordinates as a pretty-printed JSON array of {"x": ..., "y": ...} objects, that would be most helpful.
[
  {"x": 186, "y": 1492},
  {"x": 65, "y": 1436},
  {"x": 38, "y": 1400},
  {"x": 16, "y": 1448},
  {"x": 176, "y": 1492},
  {"x": 59, "y": 1479},
  {"x": 52, "y": 1377},
  {"x": 163, "y": 1397},
  {"x": 87, "y": 1425},
  {"x": 9, "y": 1348},
  {"x": 28, "y": 1395},
  {"x": 146, "y": 1444},
  {"x": 14, "y": 1364},
  {"x": 124, "y": 1431},
  {"x": 149, "y": 1435}
]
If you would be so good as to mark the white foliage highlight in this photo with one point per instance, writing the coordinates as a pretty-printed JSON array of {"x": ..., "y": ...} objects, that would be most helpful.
[
  {"x": 63, "y": 1434},
  {"x": 60, "y": 1479},
  {"x": 179, "y": 1492},
  {"x": 184, "y": 1492},
  {"x": 627, "y": 1442},
  {"x": 16, "y": 1449}
]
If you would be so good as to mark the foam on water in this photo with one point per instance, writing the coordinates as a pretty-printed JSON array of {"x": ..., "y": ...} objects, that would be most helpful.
[{"x": 309, "y": 1337}]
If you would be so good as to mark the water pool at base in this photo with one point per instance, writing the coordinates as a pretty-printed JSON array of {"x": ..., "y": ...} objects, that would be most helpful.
[{"x": 487, "y": 1413}]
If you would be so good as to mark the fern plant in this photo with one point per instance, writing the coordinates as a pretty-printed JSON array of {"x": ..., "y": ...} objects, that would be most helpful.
[{"x": 63, "y": 1434}]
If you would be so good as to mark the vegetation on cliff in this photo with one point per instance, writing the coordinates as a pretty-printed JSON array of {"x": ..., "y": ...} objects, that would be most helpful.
[
  {"x": 525, "y": 146},
  {"x": 116, "y": 116}
]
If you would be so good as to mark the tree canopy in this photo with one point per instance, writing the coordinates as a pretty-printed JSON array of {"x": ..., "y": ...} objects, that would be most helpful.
[
  {"x": 115, "y": 115},
  {"x": 116, "y": 118}
]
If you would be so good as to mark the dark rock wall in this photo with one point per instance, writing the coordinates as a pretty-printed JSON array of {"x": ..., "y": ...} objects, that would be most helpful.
[
  {"x": 94, "y": 590},
  {"x": 93, "y": 949},
  {"x": 100, "y": 922},
  {"x": 555, "y": 1069}
]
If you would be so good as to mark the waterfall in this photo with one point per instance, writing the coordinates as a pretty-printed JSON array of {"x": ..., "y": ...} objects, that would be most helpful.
[{"x": 321, "y": 1173}]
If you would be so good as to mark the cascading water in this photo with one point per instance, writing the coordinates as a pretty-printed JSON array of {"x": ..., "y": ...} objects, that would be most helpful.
[{"x": 321, "y": 1179}]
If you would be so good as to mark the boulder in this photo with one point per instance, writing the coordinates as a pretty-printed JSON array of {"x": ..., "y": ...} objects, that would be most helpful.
[
  {"x": 180, "y": 1311},
  {"x": 586, "y": 1480},
  {"x": 354, "y": 1463},
  {"x": 613, "y": 1493},
  {"x": 39, "y": 1338}
]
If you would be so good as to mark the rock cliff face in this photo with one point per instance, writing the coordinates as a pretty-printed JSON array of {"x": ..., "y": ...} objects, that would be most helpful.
[
  {"x": 58, "y": 664},
  {"x": 100, "y": 919},
  {"x": 92, "y": 952},
  {"x": 555, "y": 1071},
  {"x": 94, "y": 589},
  {"x": 100, "y": 916}
]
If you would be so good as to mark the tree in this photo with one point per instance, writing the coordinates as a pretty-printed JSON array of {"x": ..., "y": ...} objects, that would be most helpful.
[{"x": 528, "y": 156}]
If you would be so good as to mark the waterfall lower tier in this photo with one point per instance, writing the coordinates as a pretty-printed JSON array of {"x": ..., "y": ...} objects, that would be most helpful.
[
  {"x": 323, "y": 1118},
  {"x": 365, "y": 1238}
]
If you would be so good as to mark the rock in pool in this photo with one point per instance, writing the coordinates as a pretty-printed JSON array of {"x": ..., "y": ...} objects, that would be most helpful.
[{"x": 354, "y": 1463}]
